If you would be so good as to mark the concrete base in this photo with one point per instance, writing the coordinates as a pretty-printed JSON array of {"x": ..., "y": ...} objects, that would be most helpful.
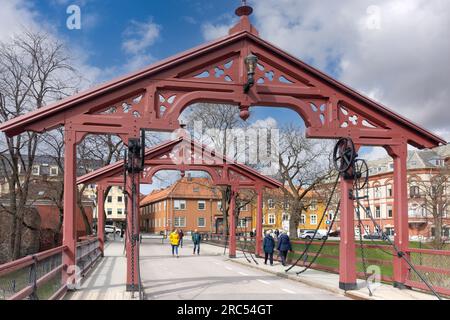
[
  {"x": 232, "y": 256},
  {"x": 401, "y": 286},
  {"x": 130, "y": 288},
  {"x": 347, "y": 286}
]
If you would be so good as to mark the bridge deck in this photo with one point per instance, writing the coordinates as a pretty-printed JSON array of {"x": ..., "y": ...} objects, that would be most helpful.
[{"x": 212, "y": 276}]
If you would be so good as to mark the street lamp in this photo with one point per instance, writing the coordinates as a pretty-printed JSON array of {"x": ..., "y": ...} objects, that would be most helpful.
[{"x": 251, "y": 62}]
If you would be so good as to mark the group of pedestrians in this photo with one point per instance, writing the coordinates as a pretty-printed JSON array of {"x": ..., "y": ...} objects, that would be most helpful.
[
  {"x": 284, "y": 246},
  {"x": 176, "y": 241}
]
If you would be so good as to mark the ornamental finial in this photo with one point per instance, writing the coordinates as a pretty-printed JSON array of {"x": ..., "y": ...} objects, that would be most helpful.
[{"x": 244, "y": 9}]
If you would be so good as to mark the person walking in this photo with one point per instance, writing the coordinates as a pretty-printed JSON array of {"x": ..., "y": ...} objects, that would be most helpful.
[
  {"x": 284, "y": 245},
  {"x": 181, "y": 235},
  {"x": 268, "y": 246},
  {"x": 277, "y": 233},
  {"x": 196, "y": 239},
  {"x": 174, "y": 239}
]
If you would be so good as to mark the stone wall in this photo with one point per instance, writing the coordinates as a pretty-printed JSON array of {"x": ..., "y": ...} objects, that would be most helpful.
[{"x": 30, "y": 234}]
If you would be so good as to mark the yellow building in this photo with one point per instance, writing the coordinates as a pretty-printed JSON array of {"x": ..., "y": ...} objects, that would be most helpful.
[{"x": 276, "y": 214}]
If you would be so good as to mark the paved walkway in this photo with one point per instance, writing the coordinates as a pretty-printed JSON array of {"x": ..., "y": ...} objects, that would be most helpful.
[
  {"x": 213, "y": 276},
  {"x": 210, "y": 276}
]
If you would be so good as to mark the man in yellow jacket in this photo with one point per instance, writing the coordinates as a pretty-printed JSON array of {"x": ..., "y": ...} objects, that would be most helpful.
[{"x": 174, "y": 239}]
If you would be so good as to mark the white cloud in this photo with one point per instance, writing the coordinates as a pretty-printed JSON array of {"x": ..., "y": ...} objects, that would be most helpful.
[
  {"x": 219, "y": 28},
  {"x": 19, "y": 15},
  {"x": 268, "y": 123},
  {"x": 140, "y": 36},
  {"x": 212, "y": 32},
  {"x": 397, "y": 52}
]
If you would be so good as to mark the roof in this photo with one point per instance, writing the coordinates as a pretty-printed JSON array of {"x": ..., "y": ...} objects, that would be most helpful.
[
  {"x": 117, "y": 167},
  {"x": 17, "y": 125},
  {"x": 185, "y": 188},
  {"x": 417, "y": 159}
]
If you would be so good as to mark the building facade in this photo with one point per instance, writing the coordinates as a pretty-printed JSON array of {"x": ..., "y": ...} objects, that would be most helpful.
[
  {"x": 188, "y": 204},
  {"x": 423, "y": 168}
]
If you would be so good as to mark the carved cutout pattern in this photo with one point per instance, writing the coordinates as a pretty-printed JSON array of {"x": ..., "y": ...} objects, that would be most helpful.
[
  {"x": 265, "y": 74},
  {"x": 222, "y": 72},
  {"x": 351, "y": 119},
  {"x": 320, "y": 111},
  {"x": 133, "y": 106},
  {"x": 165, "y": 102}
]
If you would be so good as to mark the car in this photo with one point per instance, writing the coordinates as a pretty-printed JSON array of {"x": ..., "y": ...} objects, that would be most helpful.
[
  {"x": 112, "y": 230},
  {"x": 375, "y": 236},
  {"x": 336, "y": 233},
  {"x": 309, "y": 234}
]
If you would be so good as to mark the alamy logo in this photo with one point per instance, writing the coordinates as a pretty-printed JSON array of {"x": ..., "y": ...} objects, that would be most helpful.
[
  {"x": 373, "y": 18},
  {"x": 74, "y": 20}
]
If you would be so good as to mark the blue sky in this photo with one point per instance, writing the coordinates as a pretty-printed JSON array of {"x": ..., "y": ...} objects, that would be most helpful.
[
  {"x": 105, "y": 26},
  {"x": 394, "y": 51}
]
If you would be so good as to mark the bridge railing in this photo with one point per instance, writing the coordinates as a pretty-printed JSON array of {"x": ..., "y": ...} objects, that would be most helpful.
[
  {"x": 40, "y": 276},
  {"x": 435, "y": 265}
]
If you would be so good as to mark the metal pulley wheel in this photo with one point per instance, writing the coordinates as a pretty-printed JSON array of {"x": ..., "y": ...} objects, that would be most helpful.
[
  {"x": 344, "y": 155},
  {"x": 361, "y": 172}
]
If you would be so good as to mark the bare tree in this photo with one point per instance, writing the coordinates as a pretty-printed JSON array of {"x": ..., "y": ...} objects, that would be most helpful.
[
  {"x": 216, "y": 121},
  {"x": 34, "y": 70},
  {"x": 304, "y": 169},
  {"x": 433, "y": 193}
]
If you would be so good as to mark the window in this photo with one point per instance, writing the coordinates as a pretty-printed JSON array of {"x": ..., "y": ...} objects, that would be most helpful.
[
  {"x": 201, "y": 205},
  {"x": 313, "y": 205},
  {"x": 109, "y": 199},
  {"x": 35, "y": 170},
  {"x": 54, "y": 171},
  {"x": 119, "y": 211},
  {"x": 389, "y": 211},
  {"x": 180, "y": 222},
  {"x": 271, "y": 219},
  {"x": 286, "y": 205},
  {"x": 243, "y": 223},
  {"x": 313, "y": 219},
  {"x": 285, "y": 217},
  {"x": 302, "y": 219},
  {"x": 377, "y": 192},
  {"x": 271, "y": 204},
  {"x": 390, "y": 231},
  {"x": 367, "y": 211},
  {"x": 357, "y": 231},
  {"x": 377, "y": 212},
  {"x": 109, "y": 212},
  {"x": 389, "y": 191},
  {"x": 201, "y": 222},
  {"x": 180, "y": 204},
  {"x": 219, "y": 205},
  {"x": 366, "y": 229},
  {"x": 414, "y": 191},
  {"x": 330, "y": 216},
  {"x": 391, "y": 166},
  {"x": 120, "y": 199}
]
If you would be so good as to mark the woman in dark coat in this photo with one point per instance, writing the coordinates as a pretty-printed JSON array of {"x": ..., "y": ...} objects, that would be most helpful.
[
  {"x": 269, "y": 247},
  {"x": 284, "y": 245}
]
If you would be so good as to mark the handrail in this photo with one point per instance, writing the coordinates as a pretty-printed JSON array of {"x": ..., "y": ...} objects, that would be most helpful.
[
  {"x": 429, "y": 251},
  {"x": 29, "y": 260},
  {"x": 33, "y": 260}
]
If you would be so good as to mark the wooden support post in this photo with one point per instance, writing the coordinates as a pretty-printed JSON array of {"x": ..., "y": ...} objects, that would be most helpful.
[
  {"x": 101, "y": 216},
  {"x": 259, "y": 225},
  {"x": 69, "y": 222},
  {"x": 347, "y": 258},
  {"x": 231, "y": 213},
  {"x": 401, "y": 227}
]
